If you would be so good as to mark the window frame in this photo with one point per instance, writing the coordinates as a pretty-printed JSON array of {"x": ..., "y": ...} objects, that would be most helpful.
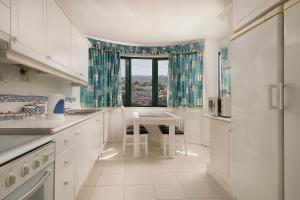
[{"x": 128, "y": 82}]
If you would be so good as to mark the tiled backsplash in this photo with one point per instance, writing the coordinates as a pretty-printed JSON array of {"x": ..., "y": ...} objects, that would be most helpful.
[
  {"x": 28, "y": 98},
  {"x": 16, "y": 90}
]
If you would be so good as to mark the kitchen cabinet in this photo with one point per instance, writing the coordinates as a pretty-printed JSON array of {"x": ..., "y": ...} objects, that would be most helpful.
[
  {"x": 219, "y": 164},
  {"x": 245, "y": 11},
  {"x": 6, "y": 2},
  {"x": 4, "y": 21},
  {"x": 76, "y": 150},
  {"x": 28, "y": 28},
  {"x": 58, "y": 37},
  {"x": 79, "y": 55}
]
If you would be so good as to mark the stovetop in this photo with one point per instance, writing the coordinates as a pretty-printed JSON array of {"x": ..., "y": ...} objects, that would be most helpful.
[{"x": 12, "y": 146}]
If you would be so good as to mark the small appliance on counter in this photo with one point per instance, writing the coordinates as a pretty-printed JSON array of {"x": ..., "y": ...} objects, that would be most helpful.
[
  {"x": 225, "y": 106},
  {"x": 220, "y": 106},
  {"x": 56, "y": 106},
  {"x": 214, "y": 106}
]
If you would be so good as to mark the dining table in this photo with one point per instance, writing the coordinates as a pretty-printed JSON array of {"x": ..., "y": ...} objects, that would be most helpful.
[{"x": 154, "y": 118}]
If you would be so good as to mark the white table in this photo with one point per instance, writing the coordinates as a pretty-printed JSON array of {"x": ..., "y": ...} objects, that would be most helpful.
[{"x": 157, "y": 118}]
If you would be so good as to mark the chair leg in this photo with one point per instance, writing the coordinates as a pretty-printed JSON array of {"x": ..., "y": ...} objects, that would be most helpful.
[
  {"x": 165, "y": 145},
  {"x": 124, "y": 145},
  {"x": 146, "y": 144},
  {"x": 185, "y": 146}
]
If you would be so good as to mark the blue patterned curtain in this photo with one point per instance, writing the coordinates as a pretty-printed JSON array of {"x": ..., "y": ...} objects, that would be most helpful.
[
  {"x": 225, "y": 75},
  {"x": 103, "y": 89},
  {"x": 185, "y": 73},
  {"x": 185, "y": 88}
]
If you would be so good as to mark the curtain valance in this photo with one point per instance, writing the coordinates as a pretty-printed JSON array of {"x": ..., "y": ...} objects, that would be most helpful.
[{"x": 142, "y": 50}]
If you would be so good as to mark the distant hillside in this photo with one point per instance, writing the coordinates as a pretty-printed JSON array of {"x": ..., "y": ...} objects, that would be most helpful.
[{"x": 162, "y": 79}]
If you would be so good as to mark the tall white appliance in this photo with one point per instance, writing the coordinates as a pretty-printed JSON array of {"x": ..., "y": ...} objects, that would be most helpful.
[
  {"x": 292, "y": 100},
  {"x": 257, "y": 109}
]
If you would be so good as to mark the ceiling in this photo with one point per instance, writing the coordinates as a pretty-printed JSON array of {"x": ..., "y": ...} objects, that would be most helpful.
[{"x": 148, "y": 22}]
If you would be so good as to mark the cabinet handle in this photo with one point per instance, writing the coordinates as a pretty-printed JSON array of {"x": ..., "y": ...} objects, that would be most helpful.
[
  {"x": 66, "y": 163},
  {"x": 66, "y": 183},
  {"x": 14, "y": 39},
  {"x": 66, "y": 141}
]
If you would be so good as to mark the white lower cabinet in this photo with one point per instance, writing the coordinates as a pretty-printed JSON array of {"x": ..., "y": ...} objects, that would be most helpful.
[
  {"x": 77, "y": 149},
  {"x": 219, "y": 164}
]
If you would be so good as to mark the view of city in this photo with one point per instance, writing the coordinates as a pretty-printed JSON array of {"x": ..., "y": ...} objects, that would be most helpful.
[{"x": 141, "y": 82}]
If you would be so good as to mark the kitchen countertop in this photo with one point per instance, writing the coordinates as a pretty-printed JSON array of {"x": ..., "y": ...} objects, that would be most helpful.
[
  {"x": 224, "y": 119},
  {"x": 42, "y": 125},
  {"x": 12, "y": 146}
]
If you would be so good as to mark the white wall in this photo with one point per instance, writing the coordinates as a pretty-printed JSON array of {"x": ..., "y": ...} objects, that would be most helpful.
[
  {"x": 210, "y": 74},
  {"x": 12, "y": 82}
]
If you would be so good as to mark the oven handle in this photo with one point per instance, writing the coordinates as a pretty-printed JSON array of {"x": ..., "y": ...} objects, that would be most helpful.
[{"x": 37, "y": 186}]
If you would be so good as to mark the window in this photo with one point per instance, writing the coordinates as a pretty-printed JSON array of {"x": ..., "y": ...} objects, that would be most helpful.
[{"x": 144, "y": 81}]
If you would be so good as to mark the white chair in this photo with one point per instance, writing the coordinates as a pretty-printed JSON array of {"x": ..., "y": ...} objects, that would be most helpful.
[
  {"x": 179, "y": 136},
  {"x": 128, "y": 133}
]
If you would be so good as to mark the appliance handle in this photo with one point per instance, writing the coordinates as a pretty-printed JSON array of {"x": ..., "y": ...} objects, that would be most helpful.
[
  {"x": 279, "y": 87},
  {"x": 37, "y": 186}
]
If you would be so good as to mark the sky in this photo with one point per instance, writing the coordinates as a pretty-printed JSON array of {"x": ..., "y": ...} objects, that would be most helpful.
[{"x": 143, "y": 67}]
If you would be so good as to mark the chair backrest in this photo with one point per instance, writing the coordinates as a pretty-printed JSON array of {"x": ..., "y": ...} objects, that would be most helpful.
[
  {"x": 124, "y": 120},
  {"x": 180, "y": 124},
  {"x": 106, "y": 126}
]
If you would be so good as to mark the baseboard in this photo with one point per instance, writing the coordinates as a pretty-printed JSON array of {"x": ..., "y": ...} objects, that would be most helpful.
[{"x": 222, "y": 181}]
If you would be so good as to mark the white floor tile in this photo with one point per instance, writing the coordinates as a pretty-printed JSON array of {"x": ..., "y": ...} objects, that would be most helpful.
[
  {"x": 110, "y": 179},
  {"x": 108, "y": 193},
  {"x": 139, "y": 192},
  {"x": 162, "y": 178},
  {"x": 172, "y": 191},
  {"x": 200, "y": 190},
  {"x": 192, "y": 177},
  {"x": 138, "y": 178}
]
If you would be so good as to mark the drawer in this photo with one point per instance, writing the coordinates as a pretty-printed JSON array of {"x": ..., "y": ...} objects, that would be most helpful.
[
  {"x": 63, "y": 140},
  {"x": 4, "y": 21},
  {"x": 64, "y": 161},
  {"x": 64, "y": 186}
]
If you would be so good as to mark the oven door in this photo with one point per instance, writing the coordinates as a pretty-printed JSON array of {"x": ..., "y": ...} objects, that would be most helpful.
[{"x": 39, "y": 187}]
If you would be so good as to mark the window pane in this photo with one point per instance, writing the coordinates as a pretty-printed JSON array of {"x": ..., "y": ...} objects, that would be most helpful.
[
  {"x": 141, "y": 82},
  {"x": 162, "y": 82},
  {"x": 123, "y": 81}
]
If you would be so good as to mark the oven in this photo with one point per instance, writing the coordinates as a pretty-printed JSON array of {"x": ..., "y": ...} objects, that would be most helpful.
[{"x": 30, "y": 177}]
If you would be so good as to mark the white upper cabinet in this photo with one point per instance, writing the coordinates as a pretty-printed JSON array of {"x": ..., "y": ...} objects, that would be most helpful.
[
  {"x": 4, "y": 21},
  {"x": 79, "y": 55},
  {"x": 58, "y": 37},
  {"x": 28, "y": 28},
  {"x": 245, "y": 11},
  {"x": 6, "y": 2}
]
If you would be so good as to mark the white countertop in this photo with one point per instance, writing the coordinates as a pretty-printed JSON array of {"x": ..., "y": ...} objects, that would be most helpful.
[
  {"x": 42, "y": 125},
  {"x": 224, "y": 119}
]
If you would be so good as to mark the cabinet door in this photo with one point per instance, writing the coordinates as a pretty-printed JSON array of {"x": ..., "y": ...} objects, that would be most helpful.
[
  {"x": 58, "y": 37},
  {"x": 28, "y": 28},
  {"x": 245, "y": 11},
  {"x": 79, "y": 55},
  {"x": 292, "y": 99},
  {"x": 82, "y": 158},
  {"x": 219, "y": 150},
  {"x": 4, "y": 22}
]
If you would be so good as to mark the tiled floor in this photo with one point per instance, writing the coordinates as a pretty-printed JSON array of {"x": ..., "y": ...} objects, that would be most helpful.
[{"x": 152, "y": 177}]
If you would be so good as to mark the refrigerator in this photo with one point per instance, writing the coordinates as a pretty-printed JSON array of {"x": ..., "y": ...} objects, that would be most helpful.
[
  {"x": 292, "y": 101},
  {"x": 265, "y": 139}
]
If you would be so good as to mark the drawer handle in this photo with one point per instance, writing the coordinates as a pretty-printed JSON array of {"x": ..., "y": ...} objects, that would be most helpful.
[
  {"x": 66, "y": 163},
  {"x": 66, "y": 183},
  {"x": 66, "y": 141}
]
